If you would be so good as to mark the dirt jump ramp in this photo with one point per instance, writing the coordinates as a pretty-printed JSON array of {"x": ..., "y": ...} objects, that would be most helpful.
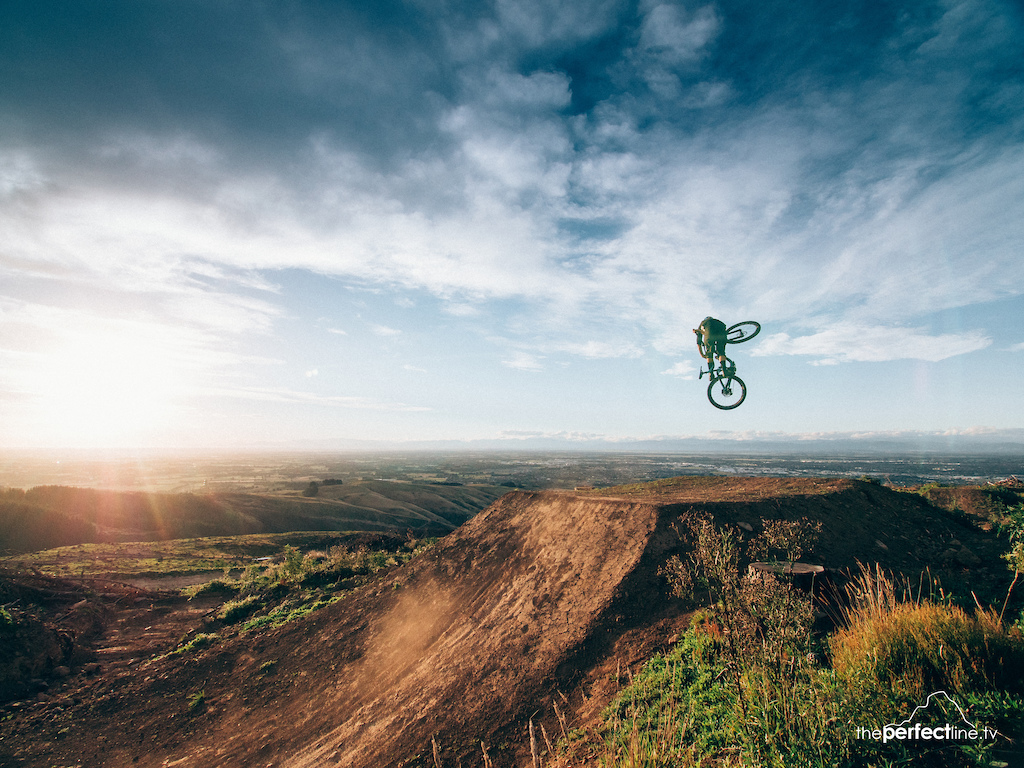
[{"x": 452, "y": 646}]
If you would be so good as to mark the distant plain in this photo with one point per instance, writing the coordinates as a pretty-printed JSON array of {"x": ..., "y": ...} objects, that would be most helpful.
[{"x": 531, "y": 470}]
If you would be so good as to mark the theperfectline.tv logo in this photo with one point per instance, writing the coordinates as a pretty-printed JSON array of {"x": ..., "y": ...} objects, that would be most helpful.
[
  {"x": 947, "y": 732},
  {"x": 963, "y": 731}
]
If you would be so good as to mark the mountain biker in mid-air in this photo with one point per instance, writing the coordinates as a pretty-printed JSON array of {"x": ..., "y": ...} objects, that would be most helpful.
[
  {"x": 726, "y": 390},
  {"x": 715, "y": 337}
]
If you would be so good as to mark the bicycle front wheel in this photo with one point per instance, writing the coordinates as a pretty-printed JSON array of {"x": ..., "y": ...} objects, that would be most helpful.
[
  {"x": 741, "y": 332},
  {"x": 727, "y": 392}
]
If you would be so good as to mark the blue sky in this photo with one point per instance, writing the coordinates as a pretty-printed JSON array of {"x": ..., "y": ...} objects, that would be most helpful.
[{"x": 228, "y": 224}]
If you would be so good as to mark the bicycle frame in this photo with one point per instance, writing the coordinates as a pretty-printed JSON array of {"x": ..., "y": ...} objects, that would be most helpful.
[{"x": 729, "y": 369}]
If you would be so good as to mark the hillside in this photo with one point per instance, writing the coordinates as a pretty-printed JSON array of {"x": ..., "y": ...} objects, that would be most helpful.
[
  {"x": 541, "y": 600},
  {"x": 52, "y": 516}
]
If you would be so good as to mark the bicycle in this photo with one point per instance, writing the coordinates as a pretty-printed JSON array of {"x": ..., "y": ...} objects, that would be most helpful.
[{"x": 726, "y": 390}]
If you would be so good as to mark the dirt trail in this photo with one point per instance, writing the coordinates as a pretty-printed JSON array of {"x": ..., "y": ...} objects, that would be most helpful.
[{"x": 538, "y": 599}]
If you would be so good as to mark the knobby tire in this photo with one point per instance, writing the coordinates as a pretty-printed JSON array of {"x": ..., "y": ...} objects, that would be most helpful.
[
  {"x": 726, "y": 382},
  {"x": 740, "y": 332}
]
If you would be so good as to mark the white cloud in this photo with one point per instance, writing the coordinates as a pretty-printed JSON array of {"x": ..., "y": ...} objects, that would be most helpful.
[
  {"x": 383, "y": 330},
  {"x": 18, "y": 173},
  {"x": 596, "y": 350},
  {"x": 284, "y": 395},
  {"x": 542, "y": 22},
  {"x": 701, "y": 232},
  {"x": 568, "y": 436},
  {"x": 675, "y": 37},
  {"x": 850, "y": 343},
  {"x": 684, "y": 369},
  {"x": 150, "y": 150},
  {"x": 523, "y": 361}
]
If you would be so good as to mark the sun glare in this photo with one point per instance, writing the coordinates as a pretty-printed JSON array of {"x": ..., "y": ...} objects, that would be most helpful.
[{"x": 104, "y": 392}]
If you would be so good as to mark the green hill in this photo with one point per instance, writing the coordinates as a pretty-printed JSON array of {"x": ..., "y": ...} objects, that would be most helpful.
[{"x": 50, "y": 516}]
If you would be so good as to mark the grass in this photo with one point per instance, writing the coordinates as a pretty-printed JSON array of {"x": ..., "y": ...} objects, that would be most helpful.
[
  {"x": 686, "y": 709},
  {"x": 749, "y": 684},
  {"x": 199, "y": 641},
  {"x": 303, "y": 583},
  {"x": 212, "y": 587},
  {"x": 928, "y": 647},
  {"x": 293, "y": 585},
  {"x": 174, "y": 557},
  {"x": 197, "y": 701},
  {"x": 234, "y": 611}
]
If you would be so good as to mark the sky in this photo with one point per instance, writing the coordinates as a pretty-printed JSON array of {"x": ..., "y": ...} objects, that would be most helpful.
[{"x": 236, "y": 224}]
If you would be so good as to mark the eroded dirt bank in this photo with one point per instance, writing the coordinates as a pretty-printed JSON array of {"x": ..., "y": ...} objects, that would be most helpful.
[{"x": 541, "y": 599}]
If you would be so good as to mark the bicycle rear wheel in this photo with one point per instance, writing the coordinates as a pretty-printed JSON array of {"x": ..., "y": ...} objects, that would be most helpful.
[
  {"x": 741, "y": 332},
  {"x": 727, "y": 392}
]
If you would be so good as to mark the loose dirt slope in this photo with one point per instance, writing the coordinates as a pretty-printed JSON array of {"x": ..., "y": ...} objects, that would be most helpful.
[{"x": 535, "y": 600}]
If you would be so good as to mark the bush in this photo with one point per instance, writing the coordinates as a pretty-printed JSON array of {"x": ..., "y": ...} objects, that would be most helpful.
[
  {"x": 213, "y": 587},
  {"x": 292, "y": 561},
  {"x": 745, "y": 685},
  {"x": 235, "y": 610}
]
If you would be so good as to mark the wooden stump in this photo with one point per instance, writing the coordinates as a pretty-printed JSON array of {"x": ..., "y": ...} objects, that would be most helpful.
[{"x": 801, "y": 575}]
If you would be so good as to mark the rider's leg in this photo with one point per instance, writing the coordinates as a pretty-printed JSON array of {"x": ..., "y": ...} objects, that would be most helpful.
[{"x": 719, "y": 347}]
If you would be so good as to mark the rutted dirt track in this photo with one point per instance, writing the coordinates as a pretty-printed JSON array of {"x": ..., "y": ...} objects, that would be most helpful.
[{"x": 533, "y": 602}]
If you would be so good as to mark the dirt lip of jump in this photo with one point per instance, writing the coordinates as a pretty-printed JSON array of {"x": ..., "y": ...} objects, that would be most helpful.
[{"x": 533, "y": 603}]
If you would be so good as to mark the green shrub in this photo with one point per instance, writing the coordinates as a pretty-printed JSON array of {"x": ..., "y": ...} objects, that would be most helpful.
[
  {"x": 292, "y": 561},
  {"x": 201, "y": 640},
  {"x": 745, "y": 687},
  {"x": 213, "y": 587},
  {"x": 234, "y": 611},
  {"x": 677, "y": 704}
]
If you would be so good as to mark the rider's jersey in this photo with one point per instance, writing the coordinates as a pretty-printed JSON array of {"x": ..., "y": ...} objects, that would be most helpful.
[{"x": 712, "y": 329}]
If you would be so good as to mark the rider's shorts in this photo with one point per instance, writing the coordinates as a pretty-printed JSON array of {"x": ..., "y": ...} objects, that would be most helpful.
[
  {"x": 715, "y": 338},
  {"x": 715, "y": 344}
]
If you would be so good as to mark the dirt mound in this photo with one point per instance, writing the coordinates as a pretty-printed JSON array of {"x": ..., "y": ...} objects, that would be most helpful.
[
  {"x": 49, "y": 625},
  {"x": 538, "y": 601}
]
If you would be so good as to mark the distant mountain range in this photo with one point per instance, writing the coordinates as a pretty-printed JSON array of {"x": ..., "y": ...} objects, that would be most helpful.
[{"x": 968, "y": 441}]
